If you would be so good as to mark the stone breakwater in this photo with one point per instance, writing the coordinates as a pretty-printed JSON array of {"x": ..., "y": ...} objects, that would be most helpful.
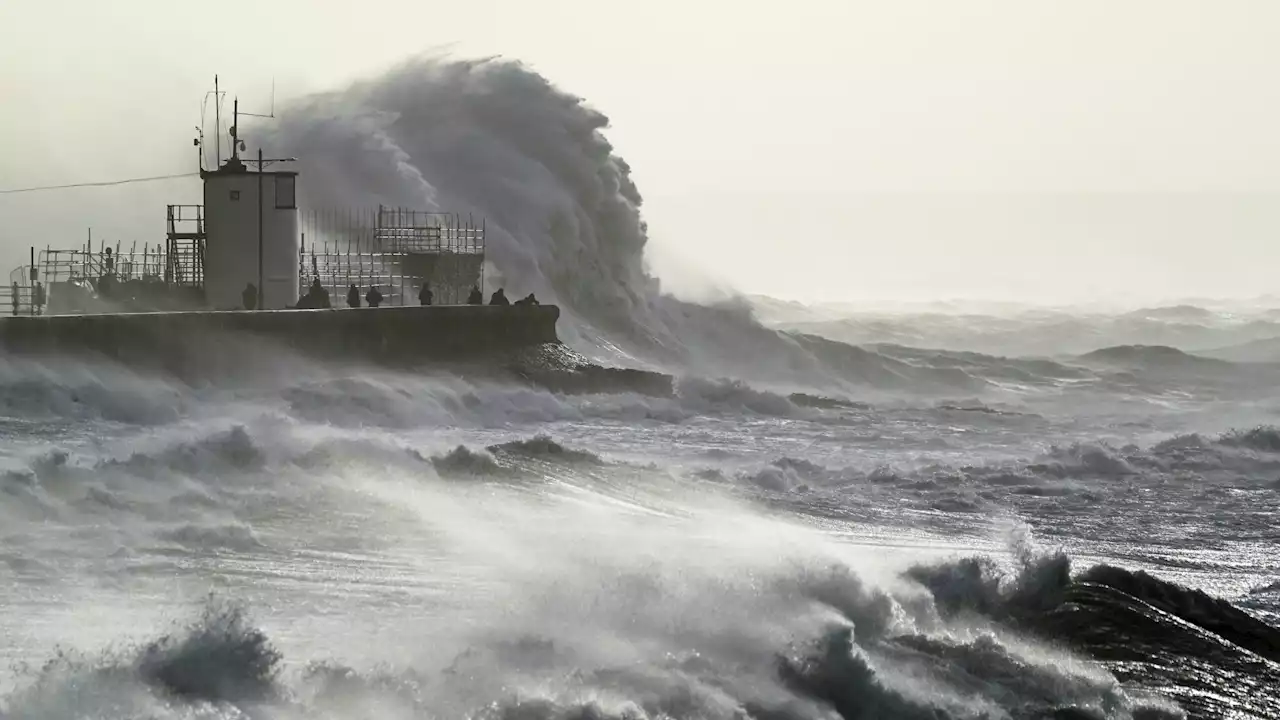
[
  {"x": 395, "y": 335},
  {"x": 517, "y": 342}
]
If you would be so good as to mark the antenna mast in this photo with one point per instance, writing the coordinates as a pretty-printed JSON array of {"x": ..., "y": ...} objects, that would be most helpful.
[
  {"x": 235, "y": 130},
  {"x": 217, "y": 125},
  {"x": 273, "y": 103}
]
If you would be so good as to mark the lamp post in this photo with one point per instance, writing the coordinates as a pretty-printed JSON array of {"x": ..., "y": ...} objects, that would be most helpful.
[{"x": 260, "y": 276}]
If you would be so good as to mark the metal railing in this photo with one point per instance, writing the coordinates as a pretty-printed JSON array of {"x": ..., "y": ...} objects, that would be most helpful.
[
  {"x": 420, "y": 231},
  {"x": 393, "y": 249}
]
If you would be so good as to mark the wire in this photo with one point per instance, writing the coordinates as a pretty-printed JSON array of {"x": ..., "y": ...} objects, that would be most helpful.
[{"x": 98, "y": 184}]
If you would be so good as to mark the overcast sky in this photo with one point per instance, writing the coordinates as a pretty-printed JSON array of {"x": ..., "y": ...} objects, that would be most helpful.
[{"x": 835, "y": 150}]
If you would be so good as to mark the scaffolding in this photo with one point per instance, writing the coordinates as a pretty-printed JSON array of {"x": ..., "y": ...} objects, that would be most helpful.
[
  {"x": 83, "y": 279},
  {"x": 160, "y": 275},
  {"x": 84, "y": 264},
  {"x": 395, "y": 250},
  {"x": 184, "y": 246},
  {"x": 17, "y": 293},
  {"x": 423, "y": 232}
]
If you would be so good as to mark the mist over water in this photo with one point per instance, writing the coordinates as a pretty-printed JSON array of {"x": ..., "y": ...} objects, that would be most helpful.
[{"x": 934, "y": 515}]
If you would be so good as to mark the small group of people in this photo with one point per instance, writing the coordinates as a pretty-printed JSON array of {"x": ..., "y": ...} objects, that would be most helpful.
[
  {"x": 317, "y": 297},
  {"x": 37, "y": 298},
  {"x": 475, "y": 297},
  {"x": 373, "y": 297},
  {"x": 499, "y": 297}
]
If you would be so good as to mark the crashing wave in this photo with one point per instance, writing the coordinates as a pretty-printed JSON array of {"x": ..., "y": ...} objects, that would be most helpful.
[
  {"x": 542, "y": 447},
  {"x": 1203, "y": 652},
  {"x": 868, "y": 654},
  {"x": 495, "y": 139}
]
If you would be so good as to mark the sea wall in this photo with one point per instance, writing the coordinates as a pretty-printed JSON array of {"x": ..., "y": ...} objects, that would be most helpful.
[{"x": 187, "y": 341}]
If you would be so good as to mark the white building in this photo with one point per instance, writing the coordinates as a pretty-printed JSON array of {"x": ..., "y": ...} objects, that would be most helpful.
[{"x": 247, "y": 241}]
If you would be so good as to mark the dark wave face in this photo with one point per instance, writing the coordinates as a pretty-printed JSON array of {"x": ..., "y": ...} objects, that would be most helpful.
[{"x": 1214, "y": 659}]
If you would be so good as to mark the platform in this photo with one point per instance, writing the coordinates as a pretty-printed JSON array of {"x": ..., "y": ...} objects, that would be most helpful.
[{"x": 182, "y": 341}]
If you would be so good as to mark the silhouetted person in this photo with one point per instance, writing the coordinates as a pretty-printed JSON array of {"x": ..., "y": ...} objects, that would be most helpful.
[
  {"x": 499, "y": 298},
  {"x": 108, "y": 261},
  {"x": 476, "y": 297},
  {"x": 373, "y": 297},
  {"x": 37, "y": 300},
  {"x": 353, "y": 296},
  {"x": 319, "y": 295},
  {"x": 425, "y": 295},
  {"x": 17, "y": 295},
  {"x": 250, "y": 297},
  {"x": 528, "y": 300}
]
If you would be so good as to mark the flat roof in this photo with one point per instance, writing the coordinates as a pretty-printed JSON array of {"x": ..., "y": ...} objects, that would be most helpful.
[{"x": 223, "y": 172}]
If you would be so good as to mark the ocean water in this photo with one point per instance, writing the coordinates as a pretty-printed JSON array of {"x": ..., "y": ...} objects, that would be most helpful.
[{"x": 942, "y": 514}]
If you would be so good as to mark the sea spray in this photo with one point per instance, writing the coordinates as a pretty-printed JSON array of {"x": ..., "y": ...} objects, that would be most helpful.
[{"x": 493, "y": 139}]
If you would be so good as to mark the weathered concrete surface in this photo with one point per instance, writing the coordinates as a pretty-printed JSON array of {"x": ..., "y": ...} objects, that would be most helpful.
[
  {"x": 396, "y": 335},
  {"x": 518, "y": 343}
]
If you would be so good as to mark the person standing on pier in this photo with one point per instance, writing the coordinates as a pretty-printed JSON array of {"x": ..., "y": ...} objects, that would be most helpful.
[
  {"x": 318, "y": 296},
  {"x": 353, "y": 296},
  {"x": 250, "y": 297},
  {"x": 425, "y": 295},
  {"x": 373, "y": 297},
  {"x": 37, "y": 299},
  {"x": 476, "y": 297}
]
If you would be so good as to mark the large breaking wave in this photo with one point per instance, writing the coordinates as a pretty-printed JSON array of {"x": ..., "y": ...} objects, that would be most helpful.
[{"x": 495, "y": 139}]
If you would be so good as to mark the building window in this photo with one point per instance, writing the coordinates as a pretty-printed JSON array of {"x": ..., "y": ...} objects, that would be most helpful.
[{"x": 285, "y": 197}]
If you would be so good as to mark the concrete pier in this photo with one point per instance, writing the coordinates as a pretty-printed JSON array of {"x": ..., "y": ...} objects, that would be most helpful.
[{"x": 187, "y": 340}]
